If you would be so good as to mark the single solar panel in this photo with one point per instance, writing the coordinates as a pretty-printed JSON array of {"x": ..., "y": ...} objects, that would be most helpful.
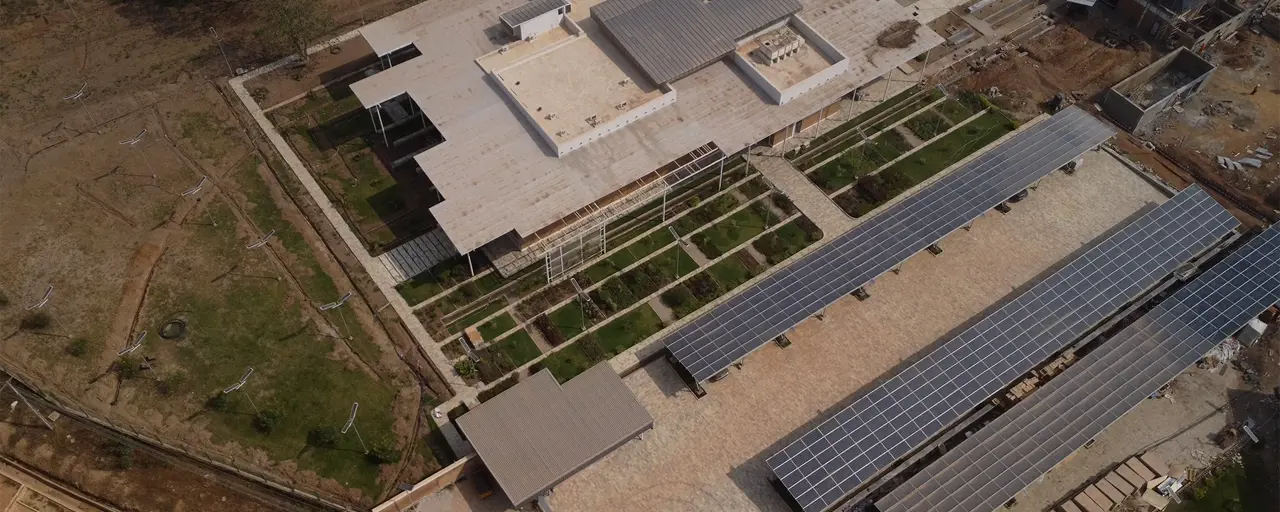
[
  {"x": 778, "y": 302},
  {"x": 1004, "y": 457},
  {"x": 832, "y": 460}
]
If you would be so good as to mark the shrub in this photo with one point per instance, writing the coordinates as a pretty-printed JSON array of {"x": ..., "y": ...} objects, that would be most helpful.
[
  {"x": 549, "y": 332},
  {"x": 171, "y": 383},
  {"x": 493, "y": 365},
  {"x": 36, "y": 320},
  {"x": 811, "y": 230},
  {"x": 783, "y": 203},
  {"x": 873, "y": 188},
  {"x": 677, "y": 297},
  {"x": 591, "y": 349},
  {"x": 218, "y": 402},
  {"x": 128, "y": 367},
  {"x": 703, "y": 287},
  {"x": 896, "y": 181},
  {"x": 497, "y": 389},
  {"x": 322, "y": 437},
  {"x": 123, "y": 453},
  {"x": 384, "y": 451},
  {"x": 465, "y": 368},
  {"x": 853, "y": 204},
  {"x": 266, "y": 421},
  {"x": 79, "y": 347}
]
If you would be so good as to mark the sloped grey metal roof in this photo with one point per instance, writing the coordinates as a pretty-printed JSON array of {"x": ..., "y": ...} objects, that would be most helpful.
[
  {"x": 538, "y": 433},
  {"x": 669, "y": 39},
  {"x": 531, "y": 10}
]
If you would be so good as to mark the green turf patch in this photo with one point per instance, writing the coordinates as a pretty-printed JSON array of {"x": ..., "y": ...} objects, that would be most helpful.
[
  {"x": 735, "y": 230},
  {"x": 476, "y": 316},
  {"x": 753, "y": 187},
  {"x": 953, "y": 147},
  {"x": 782, "y": 243},
  {"x": 953, "y": 110},
  {"x": 735, "y": 270},
  {"x": 927, "y": 125},
  {"x": 570, "y": 320},
  {"x": 497, "y": 327},
  {"x": 675, "y": 263},
  {"x": 705, "y": 212},
  {"x": 625, "y": 331},
  {"x": 267, "y": 216},
  {"x": 501, "y": 357},
  {"x": 628, "y": 255},
  {"x": 574, "y": 359}
]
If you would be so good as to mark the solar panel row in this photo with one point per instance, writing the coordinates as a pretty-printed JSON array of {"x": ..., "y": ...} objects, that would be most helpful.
[
  {"x": 836, "y": 457},
  {"x": 747, "y": 321},
  {"x": 1007, "y": 455}
]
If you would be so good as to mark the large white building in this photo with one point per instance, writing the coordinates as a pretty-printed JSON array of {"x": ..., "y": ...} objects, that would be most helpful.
[{"x": 555, "y": 115}]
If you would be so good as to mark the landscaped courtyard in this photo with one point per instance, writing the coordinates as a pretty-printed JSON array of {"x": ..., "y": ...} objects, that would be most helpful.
[{"x": 663, "y": 262}]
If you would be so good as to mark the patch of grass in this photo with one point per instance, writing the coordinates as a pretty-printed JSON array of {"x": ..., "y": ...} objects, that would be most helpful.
[
  {"x": 476, "y": 316},
  {"x": 705, "y": 212},
  {"x": 628, "y": 255},
  {"x": 625, "y": 331},
  {"x": 675, "y": 263},
  {"x": 753, "y": 187},
  {"x": 509, "y": 353},
  {"x": 781, "y": 243},
  {"x": 864, "y": 117},
  {"x": 1229, "y": 489},
  {"x": 496, "y": 327},
  {"x": 953, "y": 110},
  {"x": 498, "y": 388},
  {"x": 574, "y": 359},
  {"x": 570, "y": 320},
  {"x": 268, "y": 216},
  {"x": 735, "y": 270},
  {"x": 35, "y": 321},
  {"x": 927, "y": 125},
  {"x": 953, "y": 147},
  {"x": 735, "y": 230}
]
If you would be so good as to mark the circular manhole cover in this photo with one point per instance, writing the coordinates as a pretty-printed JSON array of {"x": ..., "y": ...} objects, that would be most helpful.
[{"x": 173, "y": 330}]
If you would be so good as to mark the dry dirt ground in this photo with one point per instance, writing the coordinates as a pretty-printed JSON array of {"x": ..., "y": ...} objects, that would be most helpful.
[
  {"x": 709, "y": 453},
  {"x": 105, "y": 224}
]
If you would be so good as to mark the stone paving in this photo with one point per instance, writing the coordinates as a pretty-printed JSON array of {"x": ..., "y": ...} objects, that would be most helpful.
[
  {"x": 708, "y": 454},
  {"x": 811, "y": 201}
]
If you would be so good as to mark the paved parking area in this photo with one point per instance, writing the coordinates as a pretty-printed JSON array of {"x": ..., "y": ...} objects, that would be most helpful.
[{"x": 708, "y": 454}]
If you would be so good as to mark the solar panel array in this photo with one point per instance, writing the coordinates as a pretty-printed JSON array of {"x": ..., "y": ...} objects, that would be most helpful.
[
  {"x": 836, "y": 457},
  {"x": 778, "y": 302},
  {"x": 1004, "y": 457}
]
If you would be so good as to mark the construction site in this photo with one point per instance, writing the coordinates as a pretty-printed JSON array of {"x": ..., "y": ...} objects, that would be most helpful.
[{"x": 641, "y": 254}]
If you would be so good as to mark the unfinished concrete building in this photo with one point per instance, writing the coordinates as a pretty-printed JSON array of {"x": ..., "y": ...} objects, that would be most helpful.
[
  {"x": 555, "y": 116},
  {"x": 1195, "y": 24},
  {"x": 1136, "y": 102}
]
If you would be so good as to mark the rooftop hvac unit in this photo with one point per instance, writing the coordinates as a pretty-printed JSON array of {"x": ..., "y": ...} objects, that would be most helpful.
[{"x": 779, "y": 44}]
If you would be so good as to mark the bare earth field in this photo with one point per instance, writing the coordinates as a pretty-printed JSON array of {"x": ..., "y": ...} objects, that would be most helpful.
[
  {"x": 106, "y": 224},
  {"x": 708, "y": 454}
]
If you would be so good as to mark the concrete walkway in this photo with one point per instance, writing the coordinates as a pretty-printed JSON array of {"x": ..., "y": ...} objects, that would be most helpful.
[{"x": 808, "y": 198}]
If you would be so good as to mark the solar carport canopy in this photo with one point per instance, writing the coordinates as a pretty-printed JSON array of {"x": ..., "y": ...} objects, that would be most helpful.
[
  {"x": 835, "y": 458},
  {"x": 1008, "y": 454},
  {"x": 778, "y": 302}
]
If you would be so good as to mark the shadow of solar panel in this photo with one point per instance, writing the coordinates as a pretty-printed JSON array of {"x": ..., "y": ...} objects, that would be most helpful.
[
  {"x": 1107, "y": 382},
  {"x": 729, "y": 332},
  {"x": 958, "y": 375}
]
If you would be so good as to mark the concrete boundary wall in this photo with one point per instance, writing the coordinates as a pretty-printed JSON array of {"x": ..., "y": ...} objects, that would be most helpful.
[{"x": 1135, "y": 118}]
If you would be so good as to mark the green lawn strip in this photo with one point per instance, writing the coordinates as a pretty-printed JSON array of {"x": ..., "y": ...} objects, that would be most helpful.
[
  {"x": 861, "y": 118},
  {"x": 675, "y": 263},
  {"x": 734, "y": 230},
  {"x": 621, "y": 333},
  {"x": 953, "y": 110},
  {"x": 628, "y": 255},
  {"x": 753, "y": 187},
  {"x": 367, "y": 194},
  {"x": 267, "y": 216},
  {"x": 705, "y": 212},
  {"x": 444, "y": 275},
  {"x": 570, "y": 320},
  {"x": 496, "y": 327},
  {"x": 869, "y": 192},
  {"x": 953, "y": 147},
  {"x": 241, "y": 322},
  {"x": 735, "y": 270},
  {"x": 782, "y": 243},
  {"x": 474, "y": 317},
  {"x": 574, "y": 359},
  {"x": 905, "y": 110},
  {"x": 927, "y": 125},
  {"x": 500, "y": 357}
]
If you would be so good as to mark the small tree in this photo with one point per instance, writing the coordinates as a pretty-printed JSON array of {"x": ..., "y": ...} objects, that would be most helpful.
[
  {"x": 292, "y": 25},
  {"x": 465, "y": 368},
  {"x": 79, "y": 347},
  {"x": 122, "y": 452},
  {"x": 266, "y": 421},
  {"x": 35, "y": 321},
  {"x": 384, "y": 451},
  {"x": 218, "y": 402},
  {"x": 322, "y": 437},
  {"x": 128, "y": 367}
]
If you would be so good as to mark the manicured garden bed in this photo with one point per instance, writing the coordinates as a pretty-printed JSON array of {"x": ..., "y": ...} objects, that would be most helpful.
[
  {"x": 625, "y": 331},
  {"x": 443, "y": 276},
  {"x": 782, "y": 243},
  {"x": 927, "y": 125},
  {"x": 859, "y": 162},
  {"x": 735, "y": 230},
  {"x": 630, "y": 254},
  {"x": 500, "y": 357},
  {"x": 496, "y": 327}
]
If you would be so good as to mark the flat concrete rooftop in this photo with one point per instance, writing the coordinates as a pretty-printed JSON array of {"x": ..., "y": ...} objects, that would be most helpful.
[
  {"x": 496, "y": 174},
  {"x": 709, "y": 453},
  {"x": 806, "y": 62}
]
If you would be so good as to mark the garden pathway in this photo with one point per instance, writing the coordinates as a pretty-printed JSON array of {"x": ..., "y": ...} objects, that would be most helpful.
[{"x": 811, "y": 201}]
